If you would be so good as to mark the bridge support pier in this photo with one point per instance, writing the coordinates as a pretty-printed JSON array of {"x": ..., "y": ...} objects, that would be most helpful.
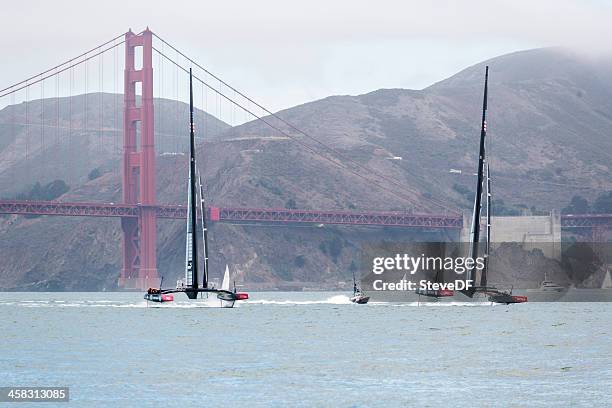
[
  {"x": 130, "y": 254},
  {"x": 598, "y": 233},
  {"x": 138, "y": 181}
]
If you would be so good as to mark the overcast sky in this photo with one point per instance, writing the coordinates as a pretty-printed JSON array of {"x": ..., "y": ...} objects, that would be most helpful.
[{"x": 284, "y": 53}]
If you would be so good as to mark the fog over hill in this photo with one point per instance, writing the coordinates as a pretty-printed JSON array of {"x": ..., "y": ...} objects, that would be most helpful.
[{"x": 550, "y": 129}]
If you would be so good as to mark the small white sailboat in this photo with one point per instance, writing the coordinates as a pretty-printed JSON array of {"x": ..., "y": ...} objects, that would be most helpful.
[
  {"x": 607, "y": 282},
  {"x": 225, "y": 285}
]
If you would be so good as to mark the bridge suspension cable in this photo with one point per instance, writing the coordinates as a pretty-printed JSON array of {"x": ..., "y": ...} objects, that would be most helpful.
[
  {"x": 330, "y": 149},
  {"x": 52, "y": 72},
  {"x": 53, "y": 69}
]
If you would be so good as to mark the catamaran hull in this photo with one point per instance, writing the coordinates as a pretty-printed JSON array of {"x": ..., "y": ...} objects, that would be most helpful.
[
  {"x": 487, "y": 297},
  {"x": 228, "y": 304},
  {"x": 158, "y": 297},
  {"x": 206, "y": 302},
  {"x": 226, "y": 299}
]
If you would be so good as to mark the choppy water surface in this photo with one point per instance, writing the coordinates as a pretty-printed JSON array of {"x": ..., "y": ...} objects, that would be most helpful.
[{"x": 306, "y": 349}]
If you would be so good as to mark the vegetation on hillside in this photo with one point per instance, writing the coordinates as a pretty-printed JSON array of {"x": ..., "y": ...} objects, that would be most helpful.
[
  {"x": 94, "y": 174},
  {"x": 580, "y": 205}
]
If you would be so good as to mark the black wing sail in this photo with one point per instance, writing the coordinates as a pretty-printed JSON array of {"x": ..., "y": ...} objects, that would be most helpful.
[
  {"x": 192, "y": 264},
  {"x": 475, "y": 229}
]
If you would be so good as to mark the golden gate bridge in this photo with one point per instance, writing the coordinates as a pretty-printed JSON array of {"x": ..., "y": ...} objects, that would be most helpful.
[{"x": 139, "y": 209}]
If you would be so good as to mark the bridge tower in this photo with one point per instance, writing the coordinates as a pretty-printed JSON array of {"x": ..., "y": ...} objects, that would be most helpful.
[{"x": 138, "y": 166}]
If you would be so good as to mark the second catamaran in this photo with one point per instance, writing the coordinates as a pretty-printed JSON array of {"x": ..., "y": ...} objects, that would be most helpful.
[
  {"x": 191, "y": 285},
  {"x": 481, "y": 287}
]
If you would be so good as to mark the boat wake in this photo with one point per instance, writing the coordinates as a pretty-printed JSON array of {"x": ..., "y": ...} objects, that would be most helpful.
[
  {"x": 465, "y": 304},
  {"x": 203, "y": 303},
  {"x": 334, "y": 300},
  {"x": 74, "y": 304},
  {"x": 213, "y": 302},
  {"x": 433, "y": 304}
]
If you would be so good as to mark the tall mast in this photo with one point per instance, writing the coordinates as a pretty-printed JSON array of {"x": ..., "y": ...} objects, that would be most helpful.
[
  {"x": 192, "y": 193},
  {"x": 475, "y": 231}
]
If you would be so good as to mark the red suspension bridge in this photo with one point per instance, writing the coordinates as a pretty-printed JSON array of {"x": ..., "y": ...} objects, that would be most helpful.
[
  {"x": 139, "y": 209},
  {"x": 275, "y": 215}
]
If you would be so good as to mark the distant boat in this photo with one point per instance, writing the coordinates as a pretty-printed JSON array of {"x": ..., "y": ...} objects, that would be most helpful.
[
  {"x": 358, "y": 296},
  {"x": 548, "y": 291},
  {"x": 548, "y": 286},
  {"x": 191, "y": 285}
]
